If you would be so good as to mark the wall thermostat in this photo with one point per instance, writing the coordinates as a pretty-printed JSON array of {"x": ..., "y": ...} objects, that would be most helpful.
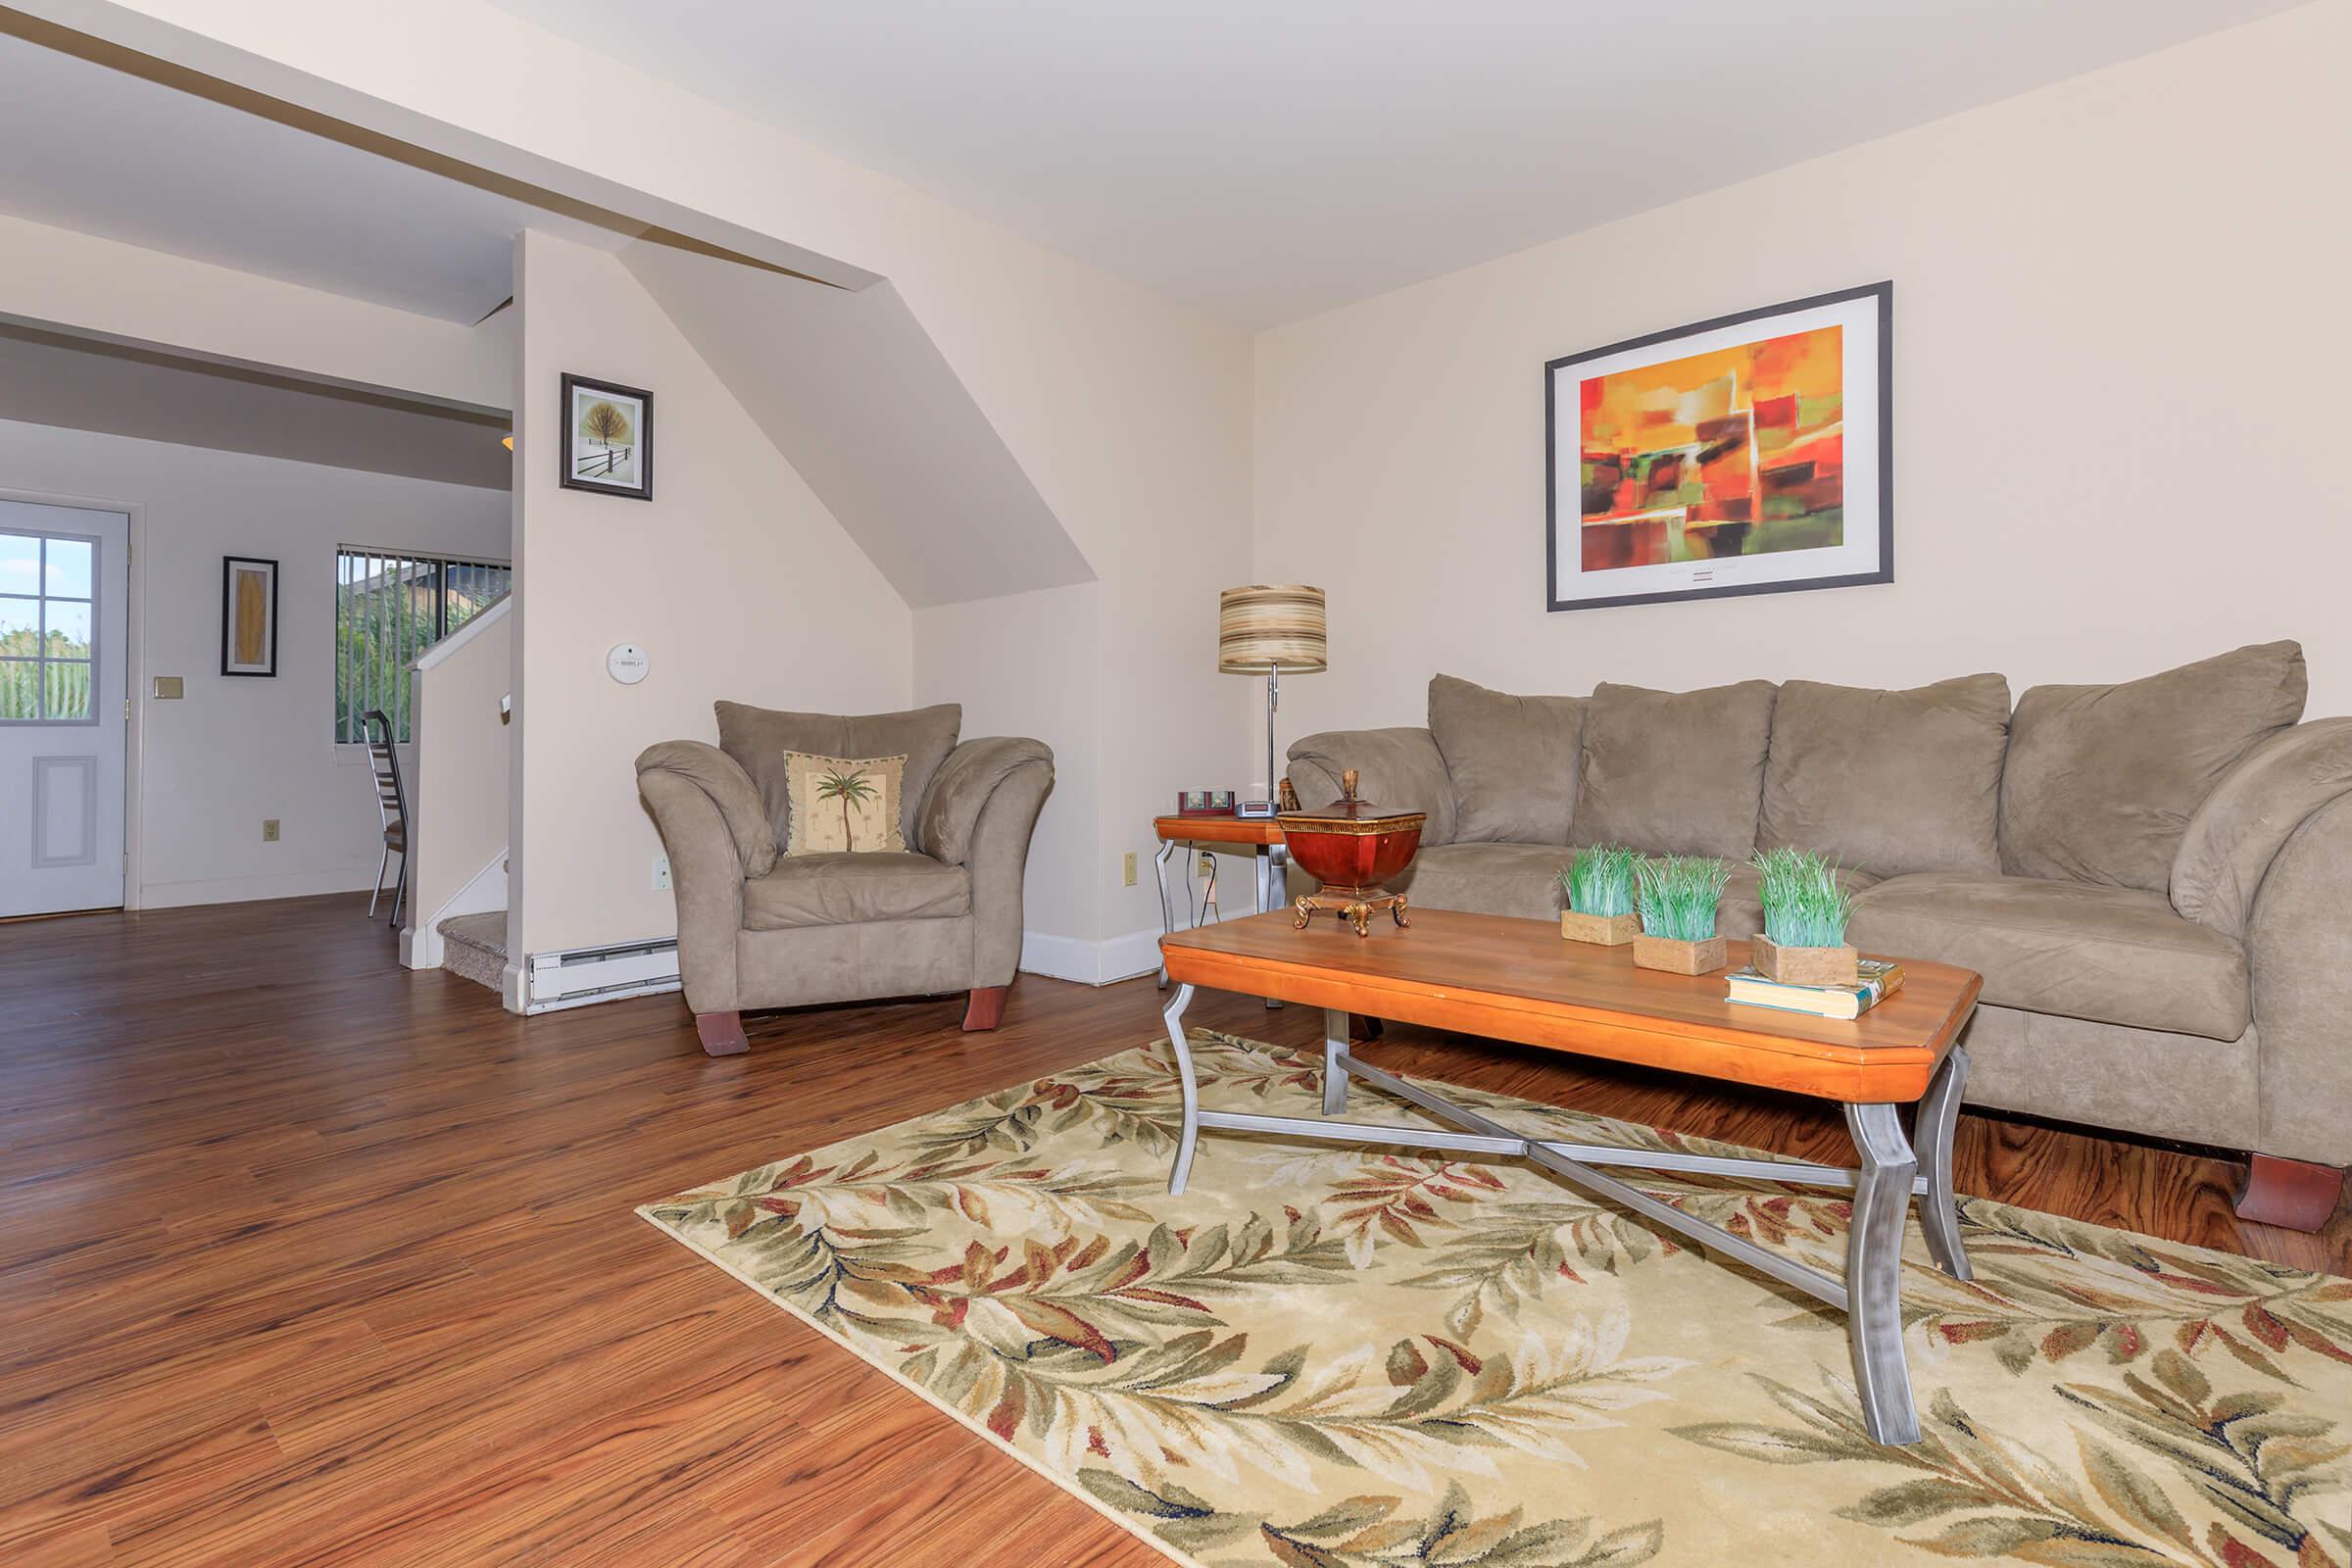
[{"x": 627, "y": 663}]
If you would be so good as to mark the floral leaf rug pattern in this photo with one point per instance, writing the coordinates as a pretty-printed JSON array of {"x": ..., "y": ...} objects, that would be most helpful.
[{"x": 1348, "y": 1358}]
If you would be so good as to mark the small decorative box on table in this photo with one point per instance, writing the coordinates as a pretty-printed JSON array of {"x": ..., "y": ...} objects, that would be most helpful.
[{"x": 1353, "y": 848}]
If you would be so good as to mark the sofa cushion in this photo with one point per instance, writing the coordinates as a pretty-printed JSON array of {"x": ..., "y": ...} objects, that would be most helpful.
[
  {"x": 2070, "y": 948},
  {"x": 1675, "y": 772},
  {"x": 2101, "y": 780},
  {"x": 1513, "y": 761},
  {"x": 758, "y": 738},
  {"x": 1518, "y": 879},
  {"x": 1399, "y": 768},
  {"x": 1890, "y": 782},
  {"x": 840, "y": 887}
]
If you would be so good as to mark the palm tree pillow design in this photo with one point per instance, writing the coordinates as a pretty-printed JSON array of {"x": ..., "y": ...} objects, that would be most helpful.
[{"x": 838, "y": 803}]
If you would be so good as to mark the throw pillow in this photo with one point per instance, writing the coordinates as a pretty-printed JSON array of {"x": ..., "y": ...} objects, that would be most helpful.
[
  {"x": 1675, "y": 772},
  {"x": 758, "y": 738},
  {"x": 843, "y": 803},
  {"x": 2103, "y": 780},
  {"x": 1890, "y": 782},
  {"x": 1512, "y": 760}
]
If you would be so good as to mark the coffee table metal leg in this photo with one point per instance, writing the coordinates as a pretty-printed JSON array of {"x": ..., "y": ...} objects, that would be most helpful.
[
  {"x": 1938, "y": 1214},
  {"x": 1335, "y": 1062},
  {"x": 1190, "y": 1133},
  {"x": 1273, "y": 885},
  {"x": 1874, "y": 1272}
]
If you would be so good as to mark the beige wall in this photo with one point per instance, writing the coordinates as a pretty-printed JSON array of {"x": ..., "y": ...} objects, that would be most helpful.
[
  {"x": 733, "y": 578},
  {"x": 457, "y": 789},
  {"x": 2121, "y": 334}
]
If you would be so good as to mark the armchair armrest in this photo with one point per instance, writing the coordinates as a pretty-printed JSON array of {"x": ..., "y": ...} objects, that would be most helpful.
[
  {"x": 730, "y": 788},
  {"x": 947, "y": 823},
  {"x": 2242, "y": 825},
  {"x": 1402, "y": 769}
]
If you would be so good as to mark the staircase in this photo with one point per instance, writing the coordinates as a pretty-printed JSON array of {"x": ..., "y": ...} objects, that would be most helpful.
[{"x": 475, "y": 947}]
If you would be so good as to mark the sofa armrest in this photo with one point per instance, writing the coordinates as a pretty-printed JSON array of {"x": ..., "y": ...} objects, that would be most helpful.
[
  {"x": 2299, "y": 950},
  {"x": 729, "y": 789},
  {"x": 948, "y": 820},
  {"x": 2246, "y": 821},
  {"x": 1400, "y": 769}
]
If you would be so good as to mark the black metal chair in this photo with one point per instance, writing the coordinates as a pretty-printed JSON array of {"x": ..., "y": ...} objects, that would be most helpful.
[{"x": 392, "y": 806}]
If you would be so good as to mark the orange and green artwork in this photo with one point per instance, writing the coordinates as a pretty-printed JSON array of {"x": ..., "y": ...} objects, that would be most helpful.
[{"x": 1735, "y": 452}]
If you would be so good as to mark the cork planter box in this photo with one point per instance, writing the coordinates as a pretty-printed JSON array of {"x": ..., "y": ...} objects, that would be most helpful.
[
  {"x": 1805, "y": 967},
  {"x": 1678, "y": 957},
  {"x": 1600, "y": 930}
]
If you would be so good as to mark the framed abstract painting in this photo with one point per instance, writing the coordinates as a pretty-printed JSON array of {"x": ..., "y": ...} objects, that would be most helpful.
[
  {"x": 1752, "y": 454},
  {"x": 248, "y": 616}
]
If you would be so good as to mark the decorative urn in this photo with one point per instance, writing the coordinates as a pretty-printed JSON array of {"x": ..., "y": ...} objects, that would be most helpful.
[{"x": 1353, "y": 848}]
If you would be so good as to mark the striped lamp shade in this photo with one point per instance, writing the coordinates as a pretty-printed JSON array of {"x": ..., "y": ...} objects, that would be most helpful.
[{"x": 1266, "y": 624}]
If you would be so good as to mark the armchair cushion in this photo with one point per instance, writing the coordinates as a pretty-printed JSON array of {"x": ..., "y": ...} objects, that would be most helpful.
[
  {"x": 842, "y": 887},
  {"x": 1512, "y": 760},
  {"x": 950, "y": 812},
  {"x": 2103, "y": 780},
  {"x": 758, "y": 738},
  {"x": 1675, "y": 772},
  {"x": 1890, "y": 782},
  {"x": 730, "y": 788},
  {"x": 2249, "y": 817}
]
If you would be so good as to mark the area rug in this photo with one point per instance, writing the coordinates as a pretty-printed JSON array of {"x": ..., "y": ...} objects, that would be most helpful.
[{"x": 1341, "y": 1357}]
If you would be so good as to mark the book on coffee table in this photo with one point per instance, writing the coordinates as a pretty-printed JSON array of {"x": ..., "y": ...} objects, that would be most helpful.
[{"x": 1880, "y": 980}]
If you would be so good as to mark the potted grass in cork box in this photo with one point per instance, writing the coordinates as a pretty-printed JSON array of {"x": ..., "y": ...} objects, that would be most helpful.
[
  {"x": 1805, "y": 910},
  {"x": 1600, "y": 884},
  {"x": 1677, "y": 897}
]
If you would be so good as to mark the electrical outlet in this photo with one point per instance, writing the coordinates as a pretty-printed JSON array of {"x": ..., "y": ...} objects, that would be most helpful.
[
  {"x": 268, "y": 830},
  {"x": 1127, "y": 869},
  {"x": 1209, "y": 864},
  {"x": 660, "y": 873}
]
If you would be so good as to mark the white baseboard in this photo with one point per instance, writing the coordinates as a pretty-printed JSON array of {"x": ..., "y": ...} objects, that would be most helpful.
[
  {"x": 245, "y": 889},
  {"x": 1092, "y": 963}
]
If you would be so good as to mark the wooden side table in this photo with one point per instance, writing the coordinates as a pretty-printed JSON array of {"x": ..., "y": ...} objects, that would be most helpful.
[{"x": 1272, "y": 861}]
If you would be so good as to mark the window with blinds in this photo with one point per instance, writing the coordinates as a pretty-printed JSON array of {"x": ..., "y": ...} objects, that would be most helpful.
[{"x": 389, "y": 607}]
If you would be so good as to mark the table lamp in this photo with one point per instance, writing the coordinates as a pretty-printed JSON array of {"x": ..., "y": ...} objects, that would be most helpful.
[{"x": 1265, "y": 630}]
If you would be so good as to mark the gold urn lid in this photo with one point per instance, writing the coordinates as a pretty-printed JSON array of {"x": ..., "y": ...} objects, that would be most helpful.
[{"x": 1351, "y": 814}]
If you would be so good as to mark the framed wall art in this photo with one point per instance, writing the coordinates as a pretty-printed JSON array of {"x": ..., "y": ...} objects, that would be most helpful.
[
  {"x": 607, "y": 440},
  {"x": 248, "y": 616},
  {"x": 1751, "y": 454}
]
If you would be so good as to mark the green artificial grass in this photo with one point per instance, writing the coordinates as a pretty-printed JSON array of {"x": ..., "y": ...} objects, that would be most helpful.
[
  {"x": 1805, "y": 905},
  {"x": 1677, "y": 894},
  {"x": 1600, "y": 881}
]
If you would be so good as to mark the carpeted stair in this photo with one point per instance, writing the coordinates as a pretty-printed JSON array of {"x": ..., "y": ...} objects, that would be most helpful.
[{"x": 475, "y": 947}]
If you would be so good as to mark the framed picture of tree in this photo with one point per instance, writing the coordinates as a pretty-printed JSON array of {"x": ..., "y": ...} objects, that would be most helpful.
[{"x": 607, "y": 440}]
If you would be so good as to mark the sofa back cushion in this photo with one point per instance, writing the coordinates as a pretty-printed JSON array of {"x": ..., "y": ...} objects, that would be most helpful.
[
  {"x": 1513, "y": 761},
  {"x": 1675, "y": 772},
  {"x": 2103, "y": 780},
  {"x": 1890, "y": 782},
  {"x": 759, "y": 737}
]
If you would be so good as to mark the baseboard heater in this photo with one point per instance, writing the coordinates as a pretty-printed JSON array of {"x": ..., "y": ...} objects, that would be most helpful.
[{"x": 581, "y": 975}]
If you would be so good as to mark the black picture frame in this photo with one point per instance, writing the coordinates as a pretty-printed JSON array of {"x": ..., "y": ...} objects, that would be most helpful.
[
  {"x": 567, "y": 469},
  {"x": 228, "y": 616},
  {"x": 1884, "y": 293}
]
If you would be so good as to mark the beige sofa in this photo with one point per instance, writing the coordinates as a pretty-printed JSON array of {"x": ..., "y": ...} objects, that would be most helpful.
[
  {"x": 759, "y": 929},
  {"x": 2154, "y": 878}
]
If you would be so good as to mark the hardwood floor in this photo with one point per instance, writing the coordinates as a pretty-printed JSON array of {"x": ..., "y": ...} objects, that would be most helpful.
[{"x": 308, "y": 1260}]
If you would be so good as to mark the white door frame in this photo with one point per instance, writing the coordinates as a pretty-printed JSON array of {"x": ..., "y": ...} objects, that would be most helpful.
[{"x": 134, "y": 662}]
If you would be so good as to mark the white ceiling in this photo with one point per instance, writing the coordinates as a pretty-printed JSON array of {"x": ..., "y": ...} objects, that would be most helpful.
[
  {"x": 1270, "y": 159},
  {"x": 94, "y": 149}
]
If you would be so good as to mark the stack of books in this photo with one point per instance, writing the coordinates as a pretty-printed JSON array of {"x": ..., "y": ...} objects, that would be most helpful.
[{"x": 1879, "y": 981}]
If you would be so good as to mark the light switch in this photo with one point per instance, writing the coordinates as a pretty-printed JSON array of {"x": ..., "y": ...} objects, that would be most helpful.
[{"x": 167, "y": 688}]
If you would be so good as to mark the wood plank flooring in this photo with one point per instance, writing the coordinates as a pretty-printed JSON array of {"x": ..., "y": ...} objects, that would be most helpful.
[{"x": 306, "y": 1260}]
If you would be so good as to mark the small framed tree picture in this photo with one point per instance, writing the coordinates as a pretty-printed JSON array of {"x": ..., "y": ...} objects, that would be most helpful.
[{"x": 607, "y": 440}]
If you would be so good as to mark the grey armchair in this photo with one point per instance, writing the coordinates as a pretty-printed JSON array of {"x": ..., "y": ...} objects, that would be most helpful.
[{"x": 759, "y": 929}]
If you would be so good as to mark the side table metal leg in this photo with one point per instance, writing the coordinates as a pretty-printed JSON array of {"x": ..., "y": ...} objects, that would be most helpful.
[
  {"x": 1167, "y": 910},
  {"x": 1334, "y": 1054},
  {"x": 1938, "y": 1215},
  {"x": 1874, "y": 1272},
  {"x": 1190, "y": 1133}
]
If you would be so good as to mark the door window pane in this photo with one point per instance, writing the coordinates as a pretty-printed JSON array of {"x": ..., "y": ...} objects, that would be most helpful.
[
  {"x": 69, "y": 570},
  {"x": 20, "y": 689},
  {"x": 19, "y": 628},
  {"x": 68, "y": 629},
  {"x": 69, "y": 690},
  {"x": 20, "y": 564}
]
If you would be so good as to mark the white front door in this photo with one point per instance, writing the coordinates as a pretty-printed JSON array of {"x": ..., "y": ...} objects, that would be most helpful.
[{"x": 64, "y": 582}]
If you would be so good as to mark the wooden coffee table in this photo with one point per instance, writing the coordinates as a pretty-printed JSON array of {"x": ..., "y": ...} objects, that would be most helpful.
[{"x": 1516, "y": 980}]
